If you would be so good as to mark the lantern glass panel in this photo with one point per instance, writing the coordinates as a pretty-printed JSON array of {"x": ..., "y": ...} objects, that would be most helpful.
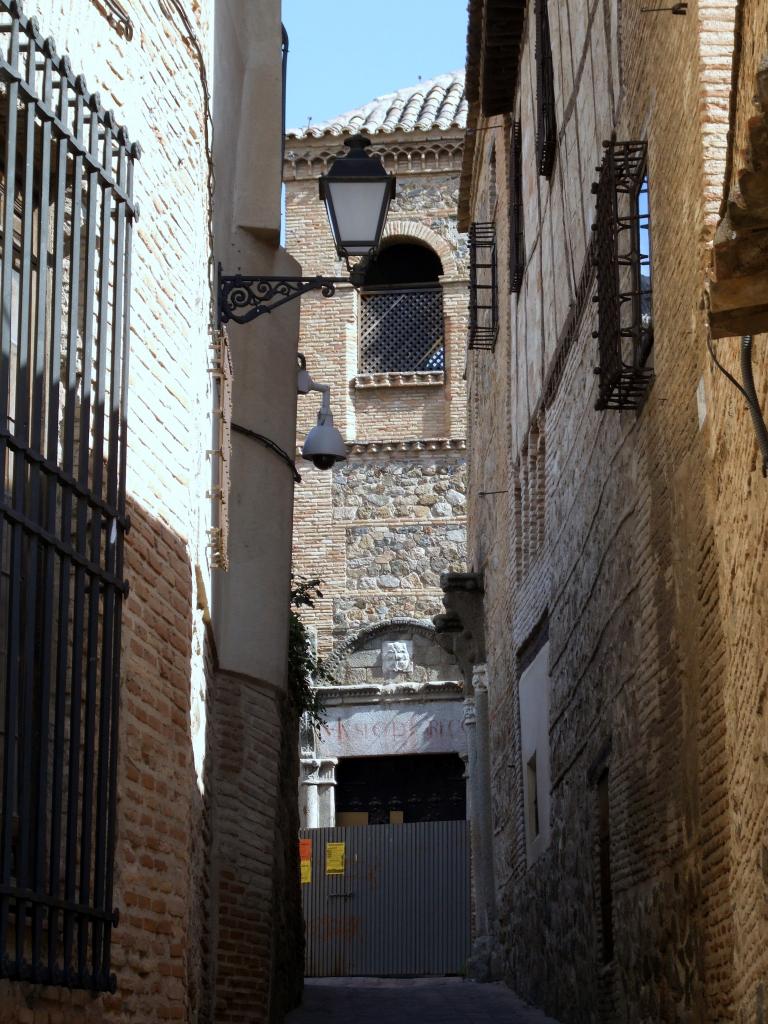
[{"x": 356, "y": 210}]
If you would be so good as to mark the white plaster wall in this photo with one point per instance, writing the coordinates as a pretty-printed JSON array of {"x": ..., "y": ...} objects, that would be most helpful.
[
  {"x": 153, "y": 83},
  {"x": 252, "y": 599}
]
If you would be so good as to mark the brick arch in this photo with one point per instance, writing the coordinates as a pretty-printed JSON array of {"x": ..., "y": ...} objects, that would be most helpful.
[{"x": 414, "y": 230}]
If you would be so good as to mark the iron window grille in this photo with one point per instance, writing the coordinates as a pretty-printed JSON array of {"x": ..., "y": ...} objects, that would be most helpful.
[
  {"x": 546, "y": 122},
  {"x": 66, "y": 174},
  {"x": 516, "y": 228},
  {"x": 622, "y": 257},
  {"x": 483, "y": 287},
  {"x": 401, "y": 329}
]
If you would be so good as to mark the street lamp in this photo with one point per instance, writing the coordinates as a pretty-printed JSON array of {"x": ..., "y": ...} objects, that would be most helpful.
[{"x": 357, "y": 192}]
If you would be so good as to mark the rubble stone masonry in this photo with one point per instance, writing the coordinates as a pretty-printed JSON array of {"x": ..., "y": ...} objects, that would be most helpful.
[{"x": 641, "y": 544}]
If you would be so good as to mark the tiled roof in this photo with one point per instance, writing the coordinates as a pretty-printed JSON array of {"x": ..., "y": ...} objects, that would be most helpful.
[{"x": 439, "y": 103}]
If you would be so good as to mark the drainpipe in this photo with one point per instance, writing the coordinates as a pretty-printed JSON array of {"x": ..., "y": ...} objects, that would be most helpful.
[
  {"x": 478, "y": 877},
  {"x": 285, "y": 84},
  {"x": 482, "y": 795},
  {"x": 481, "y": 823}
]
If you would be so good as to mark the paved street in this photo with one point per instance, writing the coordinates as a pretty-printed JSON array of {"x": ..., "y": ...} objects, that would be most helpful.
[{"x": 396, "y": 1001}]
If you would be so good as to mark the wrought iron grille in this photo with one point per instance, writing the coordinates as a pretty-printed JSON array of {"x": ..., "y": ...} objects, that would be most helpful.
[
  {"x": 546, "y": 123},
  {"x": 66, "y": 176},
  {"x": 622, "y": 260},
  {"x": 401, "y": 330},
  {"x": 483, "y": 287},
  {"x": 516, "y": 235}
]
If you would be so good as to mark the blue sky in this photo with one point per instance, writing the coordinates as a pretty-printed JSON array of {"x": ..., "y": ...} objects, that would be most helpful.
[{"x": 342, "y": 53}]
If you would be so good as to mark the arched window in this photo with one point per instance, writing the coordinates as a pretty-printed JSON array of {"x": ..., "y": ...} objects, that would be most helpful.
[{"x": 401, "y": 311}]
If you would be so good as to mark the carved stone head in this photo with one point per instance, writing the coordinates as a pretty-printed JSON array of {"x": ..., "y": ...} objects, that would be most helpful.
[{"x": 396, "y": 656}]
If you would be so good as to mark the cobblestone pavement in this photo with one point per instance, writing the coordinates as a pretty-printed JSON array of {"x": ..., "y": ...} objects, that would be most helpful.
[{"x": 421, "y": 1001}]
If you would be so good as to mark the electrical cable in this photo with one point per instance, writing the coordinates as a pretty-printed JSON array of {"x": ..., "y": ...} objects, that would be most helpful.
[
  {"x": 749, "y": 392},
  {"x": 269, "y": 443},
  {"x": 754, "y": 405}
]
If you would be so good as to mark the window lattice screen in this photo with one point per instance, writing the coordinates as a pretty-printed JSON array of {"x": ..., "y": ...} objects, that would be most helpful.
[{"x": 401, "y": 330}]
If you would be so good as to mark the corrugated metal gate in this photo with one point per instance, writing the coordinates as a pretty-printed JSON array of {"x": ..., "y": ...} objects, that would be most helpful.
[{"x": 401, "y": 906}]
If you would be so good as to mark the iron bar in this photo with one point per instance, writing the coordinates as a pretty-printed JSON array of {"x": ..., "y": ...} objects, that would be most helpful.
[
  {"x": 50, "y": 459},
  {"x": 38, "y": 629},
  {"x": 6, "y": 327},
  {"x": 84, "y": 643}
]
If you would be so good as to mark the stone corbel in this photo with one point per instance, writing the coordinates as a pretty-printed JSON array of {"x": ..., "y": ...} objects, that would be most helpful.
[
  {"x": 739, "y": 295},
  {"x": 461, "y": 630}
]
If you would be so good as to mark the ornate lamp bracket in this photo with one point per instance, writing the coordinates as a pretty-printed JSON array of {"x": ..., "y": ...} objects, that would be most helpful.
[{"x": 242, "y": 298}]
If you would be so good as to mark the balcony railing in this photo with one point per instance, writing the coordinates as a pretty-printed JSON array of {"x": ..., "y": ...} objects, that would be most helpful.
[{"x": 401, "y": 329}]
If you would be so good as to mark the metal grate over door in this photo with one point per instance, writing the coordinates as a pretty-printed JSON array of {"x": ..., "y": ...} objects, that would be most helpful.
[
  {"x": 401, "y": 330},
  {"x": 401, "y": 906},
  {"x": 66, "y": 175}
]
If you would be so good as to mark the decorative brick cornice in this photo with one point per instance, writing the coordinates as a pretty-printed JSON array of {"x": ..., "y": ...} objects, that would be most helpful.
[
  {"x": 417, "y": 379},
  {"x": 401, "y": 153},
  {"x": 435, "y": 444}
]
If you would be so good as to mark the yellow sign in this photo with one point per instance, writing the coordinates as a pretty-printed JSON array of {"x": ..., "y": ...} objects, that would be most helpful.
[
  {"x": 305, "y": 858},
  {"x": 334, "y": 858}
]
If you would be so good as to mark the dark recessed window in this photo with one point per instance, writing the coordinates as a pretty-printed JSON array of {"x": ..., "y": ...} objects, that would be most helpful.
[
  {"x": 546, "y": 125},
  {"x": 401, "y": 312},
  {"x": 516, "y": 226},
  {"x": 622, "y": 256}
]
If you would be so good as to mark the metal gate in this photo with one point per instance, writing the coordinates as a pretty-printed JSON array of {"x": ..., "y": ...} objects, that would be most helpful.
[{"x": 397, "y": 905}]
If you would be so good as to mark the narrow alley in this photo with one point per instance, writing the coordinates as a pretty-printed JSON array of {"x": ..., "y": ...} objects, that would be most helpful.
[{"x": 397, "y": 1000}]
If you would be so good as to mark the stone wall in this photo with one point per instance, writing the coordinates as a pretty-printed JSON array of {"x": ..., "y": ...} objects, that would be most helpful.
[
  {"x": 385, "y": 530},
  {"x": 644, "y": 548}
]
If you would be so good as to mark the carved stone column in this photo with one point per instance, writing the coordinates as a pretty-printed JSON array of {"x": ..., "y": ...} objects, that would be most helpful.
[
  {"x": 326, "y": 791},
  {"x": 309, "y": 799},
  {"x": 317, "y": 799}
]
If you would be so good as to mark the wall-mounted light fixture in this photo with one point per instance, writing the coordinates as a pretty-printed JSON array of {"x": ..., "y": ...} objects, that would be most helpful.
[
  {"x": 323, "y": 446},
  {"x": 357, "y": 192}
]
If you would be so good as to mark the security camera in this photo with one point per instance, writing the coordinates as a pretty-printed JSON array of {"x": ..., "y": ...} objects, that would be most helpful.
[{"x": 323, "y": 446}]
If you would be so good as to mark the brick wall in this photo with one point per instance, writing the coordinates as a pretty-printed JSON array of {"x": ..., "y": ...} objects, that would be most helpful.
[
  {"x": 379, "y": 528},
  {"x": 652, "y": 556},
  {"x": 196, "y": 902}
]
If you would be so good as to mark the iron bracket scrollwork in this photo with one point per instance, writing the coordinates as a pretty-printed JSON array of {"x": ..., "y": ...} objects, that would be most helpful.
[{"x": 242, "y": 298}]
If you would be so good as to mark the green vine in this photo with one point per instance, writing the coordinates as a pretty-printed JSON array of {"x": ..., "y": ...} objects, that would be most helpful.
[{"x": 305, "y": 669}]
